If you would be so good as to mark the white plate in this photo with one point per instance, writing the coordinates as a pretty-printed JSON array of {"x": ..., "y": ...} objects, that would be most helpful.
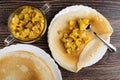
[
  {"x": 102, "y": 50},
  {"x": 37, "y": 51}
]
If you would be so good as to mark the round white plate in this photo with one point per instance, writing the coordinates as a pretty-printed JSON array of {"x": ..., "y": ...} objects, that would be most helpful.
[
  {"x": 102, "y": 50},
  {"x": 37, "y": 51}
]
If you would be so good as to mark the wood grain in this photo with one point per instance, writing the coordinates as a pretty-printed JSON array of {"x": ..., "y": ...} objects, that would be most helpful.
[{"x": 108, "y": 68}]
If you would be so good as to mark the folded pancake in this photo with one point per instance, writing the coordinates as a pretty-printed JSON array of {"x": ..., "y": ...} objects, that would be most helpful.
[
  {"x": 23, "y": 65},
  {"x": 78, "y": 60}
]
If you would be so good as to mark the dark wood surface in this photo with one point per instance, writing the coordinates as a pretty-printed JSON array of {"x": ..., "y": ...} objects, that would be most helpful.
[{"x": 108, "y": 68}]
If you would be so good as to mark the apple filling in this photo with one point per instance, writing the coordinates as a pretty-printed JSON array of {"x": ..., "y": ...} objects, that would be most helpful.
[{"x": 76, "y": 36}]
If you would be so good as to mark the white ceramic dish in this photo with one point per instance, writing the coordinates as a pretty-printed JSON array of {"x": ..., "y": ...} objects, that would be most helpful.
[
  {"x": 102, "y": 50},
  {"x": 37, "y": 51}
]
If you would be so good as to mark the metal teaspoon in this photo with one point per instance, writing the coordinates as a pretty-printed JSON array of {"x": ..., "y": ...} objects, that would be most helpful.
[{"x": 110, "y": 46}]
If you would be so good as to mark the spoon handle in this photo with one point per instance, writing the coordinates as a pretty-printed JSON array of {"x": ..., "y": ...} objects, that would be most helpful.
[{"x": 110, "y": 46}]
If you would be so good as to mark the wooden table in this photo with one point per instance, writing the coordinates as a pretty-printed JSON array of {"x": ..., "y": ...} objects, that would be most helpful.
[{"x": 108, "y": 68}]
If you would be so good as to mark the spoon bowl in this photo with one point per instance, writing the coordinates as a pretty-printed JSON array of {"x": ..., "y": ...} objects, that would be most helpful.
[{"x": 88, "y": 27}]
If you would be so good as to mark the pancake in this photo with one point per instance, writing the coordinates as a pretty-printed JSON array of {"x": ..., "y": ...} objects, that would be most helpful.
[
  {"x": 77, "y": 61},
  {"x": 24, "y": 65}
]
